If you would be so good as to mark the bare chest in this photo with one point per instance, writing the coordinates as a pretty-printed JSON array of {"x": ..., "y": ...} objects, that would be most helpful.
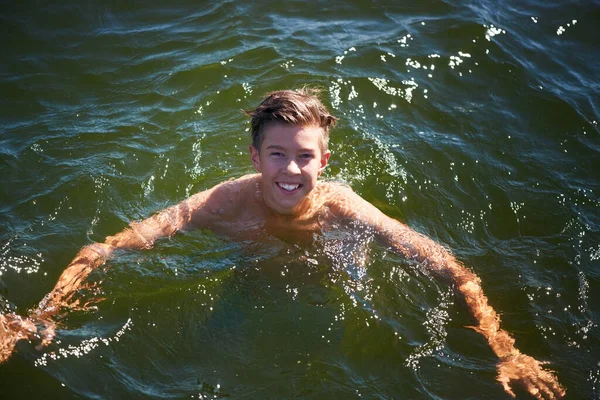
[{"x": 252, "y": 227}]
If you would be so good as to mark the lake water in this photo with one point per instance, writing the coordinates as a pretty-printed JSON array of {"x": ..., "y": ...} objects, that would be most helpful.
[{"x": 474, "y": 122}]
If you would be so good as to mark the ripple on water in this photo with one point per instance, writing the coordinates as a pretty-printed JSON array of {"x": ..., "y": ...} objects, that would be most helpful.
[{"x": 475, "y": 124}]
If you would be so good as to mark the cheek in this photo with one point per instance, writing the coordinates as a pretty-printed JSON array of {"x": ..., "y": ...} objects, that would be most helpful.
[
  {"x": 312, "y": 170},
  {"x": 269, "y": 167}
]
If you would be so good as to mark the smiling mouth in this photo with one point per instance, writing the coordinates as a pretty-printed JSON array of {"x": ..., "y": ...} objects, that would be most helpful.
[{"x": 288, "y": 187}]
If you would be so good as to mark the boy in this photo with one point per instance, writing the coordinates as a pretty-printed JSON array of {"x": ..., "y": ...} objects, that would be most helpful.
[{"x": 285, "y": 201}]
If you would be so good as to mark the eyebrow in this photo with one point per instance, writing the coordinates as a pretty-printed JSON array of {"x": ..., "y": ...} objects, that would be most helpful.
[{"x": 278, "y": 147}]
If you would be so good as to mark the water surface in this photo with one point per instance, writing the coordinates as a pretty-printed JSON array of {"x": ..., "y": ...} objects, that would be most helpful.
[{"x": 473, "y": 122}]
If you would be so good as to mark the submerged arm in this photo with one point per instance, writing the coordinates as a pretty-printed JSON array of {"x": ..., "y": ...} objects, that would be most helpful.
[
  {"x": 39, "y": 326},
  {"x": 437, "y": 259},
  {"x": 513, "y": 366},
  {"x": 139, "y": 236}
]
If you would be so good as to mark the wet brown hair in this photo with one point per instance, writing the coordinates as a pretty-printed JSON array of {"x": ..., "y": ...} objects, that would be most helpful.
[{"x": 292, "y": 107}]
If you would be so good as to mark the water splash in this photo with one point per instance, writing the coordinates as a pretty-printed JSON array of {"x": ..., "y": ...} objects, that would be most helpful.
[
  {"x": 84, "y": 348},
  {"x": 22, "y": 263},
  {"x": 18, "y": 263},
  {"x": 436, "y": 320},
  {"x": 562, "y": 29}
]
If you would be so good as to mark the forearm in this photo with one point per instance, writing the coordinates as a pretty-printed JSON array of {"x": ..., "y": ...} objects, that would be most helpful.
[
  {"x": 469, "y": 285},
  {"x": 437, "y": 259},
  {"x": 39, "y": 325},
  {"x": 513, "y": 367},
  {"x": 140, "y": 235},
  {"x": 72, "y": 278}
]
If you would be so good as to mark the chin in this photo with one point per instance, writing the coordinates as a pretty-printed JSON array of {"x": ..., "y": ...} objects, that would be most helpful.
[{"x": 286, "y": 208}]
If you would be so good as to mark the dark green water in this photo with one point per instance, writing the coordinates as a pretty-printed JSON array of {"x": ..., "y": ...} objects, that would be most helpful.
[{"x": 475, "y": 123}]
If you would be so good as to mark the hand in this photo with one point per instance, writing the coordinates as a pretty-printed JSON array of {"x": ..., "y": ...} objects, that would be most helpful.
[
  {"x": 527, "y": 371},
  {"x": 14, "y": 328}
]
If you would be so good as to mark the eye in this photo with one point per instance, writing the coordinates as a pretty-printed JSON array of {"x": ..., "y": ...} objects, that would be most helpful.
[
  {"x": 307, "y": 155},
  {"x": 276, "y": 154}
]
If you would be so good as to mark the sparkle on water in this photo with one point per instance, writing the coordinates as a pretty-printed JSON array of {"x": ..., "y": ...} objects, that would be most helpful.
[{"x": 384, "y": 90}]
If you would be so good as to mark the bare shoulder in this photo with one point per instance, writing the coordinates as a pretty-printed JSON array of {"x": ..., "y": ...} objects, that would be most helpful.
[
  {"x": 343, "y": 201},
  {"x": 223, "y": 201},
  {"x": 332, "y": 189}
]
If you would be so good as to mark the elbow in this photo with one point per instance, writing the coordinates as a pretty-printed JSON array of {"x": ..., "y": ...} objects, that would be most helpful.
[
  {"x": 103, "y": 250},
  {"x": 129, "y": 239}
]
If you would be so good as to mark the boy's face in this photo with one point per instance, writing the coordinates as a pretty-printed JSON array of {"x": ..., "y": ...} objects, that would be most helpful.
[{"x": 290, "y": 160}]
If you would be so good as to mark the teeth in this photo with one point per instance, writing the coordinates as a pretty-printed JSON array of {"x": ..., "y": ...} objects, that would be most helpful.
[{"x": 288, "y": 186}]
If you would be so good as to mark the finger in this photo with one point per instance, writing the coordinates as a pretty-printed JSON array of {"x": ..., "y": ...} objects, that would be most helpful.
[
  {"x": 507, "y": 387},
  {"x": 528, "y": 385},
  {"x": 551, "y": 382},
  {"x": 25, "y": 326},
  {"x": 533, "y": 390},
  {"x": 13, "y": 321},
  {"x": 556, "y": 388},
  {"x": 505, "y": 379},
  {"x": 546, "y": 391},
  {"x": 542, "y": 390},
  {"x": 47, "y": 336},
  {"x": 6, "y": 348},
  {"x": 29, "y": 326}
]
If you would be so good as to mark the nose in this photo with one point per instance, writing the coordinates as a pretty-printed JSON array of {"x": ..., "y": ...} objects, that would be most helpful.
[{"x": 292, "y": 168}]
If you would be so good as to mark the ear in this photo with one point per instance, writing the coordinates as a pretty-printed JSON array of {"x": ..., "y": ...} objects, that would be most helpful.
[
  {"x": 324, "y": 160},
  {"x": 255, "y": 157}
]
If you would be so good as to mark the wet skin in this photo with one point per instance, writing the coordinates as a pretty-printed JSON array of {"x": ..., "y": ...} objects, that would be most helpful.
[
  {"x": 285, "y": 201},
  {"x": 289, "y": 161}
]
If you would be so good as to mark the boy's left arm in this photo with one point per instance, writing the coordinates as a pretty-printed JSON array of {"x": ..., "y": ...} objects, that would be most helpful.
[{"x": 513, "y": 366}]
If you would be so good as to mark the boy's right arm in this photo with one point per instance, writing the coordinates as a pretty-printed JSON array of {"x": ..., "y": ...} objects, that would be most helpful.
[
  {"x": 198, "y": 211},
  {"x": 139, "y": 236},
  {"x": 195, "y": 212}
]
